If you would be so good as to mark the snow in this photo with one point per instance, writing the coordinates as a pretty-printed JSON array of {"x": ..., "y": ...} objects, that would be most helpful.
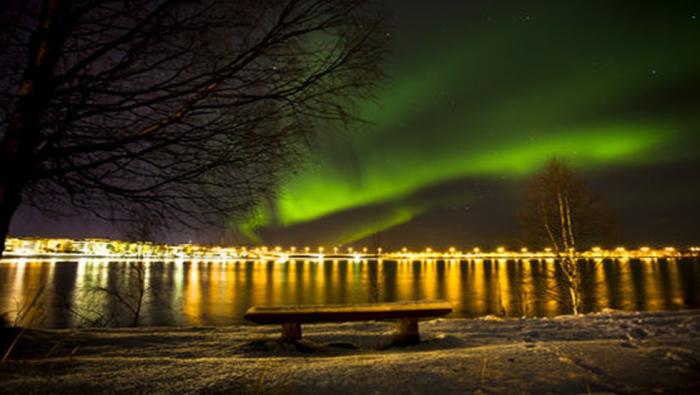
[{"x": 608, "y": 352}]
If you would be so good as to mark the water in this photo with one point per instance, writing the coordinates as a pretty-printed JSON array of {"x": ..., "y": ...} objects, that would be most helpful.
[{"x": 182, "y": 293}]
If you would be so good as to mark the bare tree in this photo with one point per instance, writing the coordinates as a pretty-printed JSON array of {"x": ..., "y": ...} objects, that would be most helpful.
[
  {"x": 190, "y": 109},
  {"x": 562, "y": 213},
  {"x": 129, "y": 293},
  {"x": 141, "y": 226},
  {"x": 26, "y": 315},
  {"x": 142, "y": 229}
]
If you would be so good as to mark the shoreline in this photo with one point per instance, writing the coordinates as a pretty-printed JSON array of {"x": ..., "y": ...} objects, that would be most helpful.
[{"x": 618, "y": 352}]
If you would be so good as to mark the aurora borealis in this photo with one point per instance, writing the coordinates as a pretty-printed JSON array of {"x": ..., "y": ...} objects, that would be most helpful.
[
  {"x": 490, "y": 90},
  {"x": 478, "y": 95}
]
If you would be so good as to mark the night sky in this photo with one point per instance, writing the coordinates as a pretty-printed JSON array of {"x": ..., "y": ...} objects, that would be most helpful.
[{"x": 479, "y": 94}]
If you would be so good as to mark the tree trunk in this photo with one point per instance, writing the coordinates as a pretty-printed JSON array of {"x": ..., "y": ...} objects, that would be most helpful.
[
  {"x": 23, "y": 133},
  {"x": 141, "y": 278},
  {"x": 575, "y": 301},
  {"x": 9, "y": 201},
  {"x": 573, "y": 280}
]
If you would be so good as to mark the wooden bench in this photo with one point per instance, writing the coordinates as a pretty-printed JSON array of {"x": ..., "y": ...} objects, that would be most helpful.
[{"x": 291, "y": 317}]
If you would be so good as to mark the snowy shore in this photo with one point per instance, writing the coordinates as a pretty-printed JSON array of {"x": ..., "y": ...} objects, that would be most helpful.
[{"x": 610, "y": 352}]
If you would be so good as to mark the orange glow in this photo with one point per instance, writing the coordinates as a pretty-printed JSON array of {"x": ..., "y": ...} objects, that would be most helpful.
[{"x": 32, "y": 246}]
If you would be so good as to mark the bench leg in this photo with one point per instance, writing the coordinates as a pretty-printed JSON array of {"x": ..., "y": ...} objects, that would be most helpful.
[
  {"x": 407, "y": 332},
  {"x": 291, "y": 332}
]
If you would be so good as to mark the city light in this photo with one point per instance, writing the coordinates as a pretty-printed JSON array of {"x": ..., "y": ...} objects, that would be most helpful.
[{"x": 42, "y": 247}]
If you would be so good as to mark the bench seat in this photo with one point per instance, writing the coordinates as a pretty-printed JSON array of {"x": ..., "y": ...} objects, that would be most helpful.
[{"x": 291, "y": 317}]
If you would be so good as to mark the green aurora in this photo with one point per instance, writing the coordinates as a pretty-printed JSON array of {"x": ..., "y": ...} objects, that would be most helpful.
[{"x": 589, "y": 83}]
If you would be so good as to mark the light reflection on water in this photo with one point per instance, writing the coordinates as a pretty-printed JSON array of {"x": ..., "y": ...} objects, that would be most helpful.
[{"x": 188, "y": 293}]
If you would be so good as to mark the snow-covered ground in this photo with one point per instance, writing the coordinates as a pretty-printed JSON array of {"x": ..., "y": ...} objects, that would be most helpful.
[{"x": 610, "y": 352}]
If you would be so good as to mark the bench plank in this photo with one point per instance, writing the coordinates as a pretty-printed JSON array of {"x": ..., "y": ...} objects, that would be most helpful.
[{"x": 343, "y": 313}]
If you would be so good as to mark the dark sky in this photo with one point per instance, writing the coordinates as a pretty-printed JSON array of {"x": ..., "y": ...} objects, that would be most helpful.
[{"x": 479, "y": 94}]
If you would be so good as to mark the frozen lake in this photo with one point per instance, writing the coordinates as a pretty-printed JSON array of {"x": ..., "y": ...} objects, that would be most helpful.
[{"x": 187, "y": 293}]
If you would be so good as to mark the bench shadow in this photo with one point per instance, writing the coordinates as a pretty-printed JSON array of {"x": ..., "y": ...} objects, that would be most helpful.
[{"x": 312, "y": 346}]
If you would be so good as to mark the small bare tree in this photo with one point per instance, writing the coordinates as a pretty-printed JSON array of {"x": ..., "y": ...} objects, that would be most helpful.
[
  {"x": 190, "y": 109},
  {"x": 26, "y": 315},
  {"x": 562, "y": 213},
  {"x": 129, "y": 292}
]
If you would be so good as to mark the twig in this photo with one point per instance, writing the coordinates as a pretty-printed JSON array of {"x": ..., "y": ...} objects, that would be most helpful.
[
  {"x": 484, "y": 364},
  {"x": 12, "y": 346},
  {"x": 22, "y": 311},
  {"x": 73, "y": 352},
  {"x": 259, "y": 384}
]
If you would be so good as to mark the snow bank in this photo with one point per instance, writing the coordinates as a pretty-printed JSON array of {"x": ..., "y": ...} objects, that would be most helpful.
[{"x": 604, "y": 352}]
